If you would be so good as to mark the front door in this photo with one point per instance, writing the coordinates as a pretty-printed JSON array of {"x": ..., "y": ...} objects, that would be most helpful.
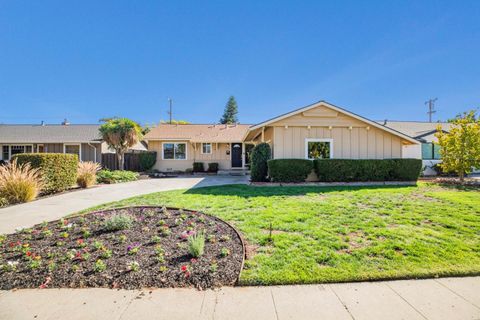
[{"x": 236, "y": 155}]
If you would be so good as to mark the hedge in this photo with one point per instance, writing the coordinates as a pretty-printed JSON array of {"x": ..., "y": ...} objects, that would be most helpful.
[
  {"x": 347, "y": 170},
  {"x": 289, "y": 170},
  {"x": 259, "y": 167},
  {"x": 116, "y": 176},
  {"x": 147, "y": 160},
  {"x": 58, "y": 170}
]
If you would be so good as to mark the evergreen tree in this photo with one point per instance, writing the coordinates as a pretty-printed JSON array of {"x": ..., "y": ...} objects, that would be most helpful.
[{"x": 230, "y": 113}]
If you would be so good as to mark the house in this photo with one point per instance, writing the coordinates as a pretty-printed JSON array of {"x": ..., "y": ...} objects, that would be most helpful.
[
  {"x": 320, "y": 130},
  {"x": 423, "y": 132},
  {"x": 81, "y": 139},
  {"x": 179, "y": 145}
]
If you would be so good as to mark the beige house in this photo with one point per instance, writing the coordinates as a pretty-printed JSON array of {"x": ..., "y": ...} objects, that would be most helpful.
[{"x": 320, "y": 130}]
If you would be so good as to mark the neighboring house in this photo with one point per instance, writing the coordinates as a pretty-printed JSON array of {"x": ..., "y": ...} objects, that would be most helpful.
[
  {"x": 318, "y": 130},
  {"x": 81, "y": 139},
  {"x": 423, "y": 132}
]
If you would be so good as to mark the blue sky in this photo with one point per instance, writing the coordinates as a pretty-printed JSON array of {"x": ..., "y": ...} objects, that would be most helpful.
[{"x": 84, "y": 60}]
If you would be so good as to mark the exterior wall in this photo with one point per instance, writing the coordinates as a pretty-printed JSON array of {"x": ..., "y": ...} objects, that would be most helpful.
[
  {"x": 218, "y": 155},
  {"x": 53, "y": 147},
  {"x": 88, "y": 152},
  {"x": 354, "y": 143}
]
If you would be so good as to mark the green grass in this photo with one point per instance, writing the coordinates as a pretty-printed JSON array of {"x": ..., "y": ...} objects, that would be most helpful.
[{"x": 344, "y": 233}]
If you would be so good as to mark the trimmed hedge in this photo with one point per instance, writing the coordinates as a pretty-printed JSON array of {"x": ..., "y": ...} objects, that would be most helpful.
[
  {"x": 348, "y": 170},
  {"x": 259, "y": 167},
  {"x": 213, "y": 167},
  {"x": 198, "y": 167},
  {"x": 147, "y": 160},
  {"x": 289, "y": 170},
  {"x": 58, "y": 170}
]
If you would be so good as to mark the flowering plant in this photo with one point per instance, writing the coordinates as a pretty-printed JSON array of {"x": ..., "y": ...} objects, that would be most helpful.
[{"x": 133, "y": 248}]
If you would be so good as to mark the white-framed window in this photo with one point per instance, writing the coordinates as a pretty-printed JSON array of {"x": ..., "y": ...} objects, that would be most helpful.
[
  {"x": 318, "y": 149},
  {"x": 174, "y": 151},
  {"x": 206, "y": 148},
  {"x": 8, "y": 151},
  {"x": 73, "y": 148}
]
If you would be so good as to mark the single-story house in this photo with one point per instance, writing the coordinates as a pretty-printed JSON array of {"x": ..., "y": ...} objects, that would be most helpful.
[
  {"x": 320, "y": 130},
  {"x": 81, "y": 139}
]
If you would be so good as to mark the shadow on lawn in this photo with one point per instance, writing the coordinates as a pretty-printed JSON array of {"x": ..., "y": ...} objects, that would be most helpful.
[{"x": 246, "y": 191}]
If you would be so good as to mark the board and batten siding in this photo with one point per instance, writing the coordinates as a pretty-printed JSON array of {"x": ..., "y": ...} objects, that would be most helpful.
[{"x": 355, "y": 143}]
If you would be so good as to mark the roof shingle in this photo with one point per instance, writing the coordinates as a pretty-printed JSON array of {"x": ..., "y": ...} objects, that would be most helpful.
[
  {"x": 199, "y": 132},
  {"x": 49, "y": 133}
]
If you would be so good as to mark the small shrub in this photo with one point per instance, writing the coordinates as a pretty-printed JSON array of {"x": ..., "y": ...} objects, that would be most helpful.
[
  {"x": 259, "y": 168},
  {"x": 87, "y": 173},
  {"x": 99, "y": 266},
  {"x": 116, "y": 176},
  {"x": 196, "y": 244},
  {"x": 213, "y": 167},
  {"x": 3, "y": 202},
  {"x": 198, "y": 167},
  {"x": 19, "y": 183},
  {"x": 225, "y": 252},
  {"x": 118, "y": 222},
  {"x": 289, "y": 170},
  {"x": 58, "y": 170},
  {"x": 147, "y": 160}
]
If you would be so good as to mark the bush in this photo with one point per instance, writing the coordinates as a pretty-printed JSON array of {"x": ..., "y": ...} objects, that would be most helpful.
[
  {"x": 259, "y": 168},
  {"x": 198, "y": 167},
  {"x": 118, "y": 222},
  {"x": 58, "y": 170},
  {"x": 348, "y": 170},
  {"x": 289, "y": 170},
  {"x": 196, "y": 244},
  {"x": 116, "y": 176},
  {"x": 147, "y": 160},
  {"x": 87, "y": 173},
  {"x": 18, "y": 183},
  {"x": 213, "y": 167}
]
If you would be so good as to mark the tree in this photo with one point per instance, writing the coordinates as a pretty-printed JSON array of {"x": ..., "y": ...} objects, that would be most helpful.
[
  {"x": 460, "y": 147},
  {"x": 175, "y": 122},
  {"x": 230, "y": 113},
  {"x": 120, "y": 134},
  {"x": 259, "y": 163}
]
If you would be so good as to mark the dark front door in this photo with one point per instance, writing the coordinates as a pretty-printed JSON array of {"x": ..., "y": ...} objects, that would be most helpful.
[{"x": 236, "y": 155}]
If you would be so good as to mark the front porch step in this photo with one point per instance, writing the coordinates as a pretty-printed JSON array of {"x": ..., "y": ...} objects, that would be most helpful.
[{"x": 233, "y": 172}]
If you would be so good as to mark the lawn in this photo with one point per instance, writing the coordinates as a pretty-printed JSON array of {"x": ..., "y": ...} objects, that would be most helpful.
[{"x": 322, "y": 234}]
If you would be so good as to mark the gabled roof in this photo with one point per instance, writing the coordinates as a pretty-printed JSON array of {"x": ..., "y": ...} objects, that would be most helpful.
[
  {"x": 199, "y": 132},
  {"x": 48, "y": 133},
  {"x": 341, "y": 110}
]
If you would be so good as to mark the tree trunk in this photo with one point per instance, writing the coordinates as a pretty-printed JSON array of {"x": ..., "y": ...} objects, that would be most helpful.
[
  {"x": 122, "y": 161},
  {"x": 461, "y": 175}
]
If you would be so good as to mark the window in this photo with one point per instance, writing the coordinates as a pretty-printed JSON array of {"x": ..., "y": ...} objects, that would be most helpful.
[
  {"x": 206, "y": 148},
  {"x": 430, "y": 151},
  {"x": 5, "y": 153},
  {"x": 318, "y": 148},
  {"x": 72, "y": 149},
  {"x": 175, "y": 151}
]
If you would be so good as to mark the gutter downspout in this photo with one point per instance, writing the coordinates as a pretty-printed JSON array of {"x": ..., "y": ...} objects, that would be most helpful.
[{"x": 94, "y": 152}]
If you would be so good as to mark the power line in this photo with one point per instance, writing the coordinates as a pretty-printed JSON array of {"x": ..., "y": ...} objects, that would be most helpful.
[{"x": 431, "y": 108}]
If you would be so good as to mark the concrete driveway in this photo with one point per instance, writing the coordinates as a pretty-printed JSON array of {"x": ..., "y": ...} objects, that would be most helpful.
[{"x": 55, "y": 207}]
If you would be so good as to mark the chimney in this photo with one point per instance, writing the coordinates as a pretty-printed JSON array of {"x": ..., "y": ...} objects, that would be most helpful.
[
  {"x": 42, "y": 123},
  {"x": 65, "y": 122},
  {"x": 385, "y": 122}
]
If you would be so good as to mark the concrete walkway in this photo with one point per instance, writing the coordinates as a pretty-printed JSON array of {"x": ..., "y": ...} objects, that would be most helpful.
[
  {"x": 55, "y": 207},
  {"x": 448, "y": 298}
]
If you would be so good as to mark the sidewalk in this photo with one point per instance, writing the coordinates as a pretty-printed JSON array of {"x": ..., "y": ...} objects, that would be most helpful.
[
  {"x": 55, "y": 207},
  {"x": 447, "y": 298}
]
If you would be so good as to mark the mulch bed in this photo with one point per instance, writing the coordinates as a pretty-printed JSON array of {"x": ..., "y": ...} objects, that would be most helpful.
[{"x": 152, "y": 252}]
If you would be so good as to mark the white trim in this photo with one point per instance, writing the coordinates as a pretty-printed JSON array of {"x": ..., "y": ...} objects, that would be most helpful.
[
  {"x": 174, "y": 143},
  {"x": 328, "y": 105},
  {"x": 201, "y": 148},
  {"x": 307, "y": 140},
  {"x": 74, "y": 144}
]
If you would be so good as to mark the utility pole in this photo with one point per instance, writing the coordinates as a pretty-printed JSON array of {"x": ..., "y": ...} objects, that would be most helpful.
[
  {"x": 170, "y": 112},
  {"x": 431, "y": 108}
]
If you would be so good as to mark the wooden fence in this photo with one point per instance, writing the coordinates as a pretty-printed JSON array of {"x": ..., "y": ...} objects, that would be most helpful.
[{"x": 132, "y": 161}]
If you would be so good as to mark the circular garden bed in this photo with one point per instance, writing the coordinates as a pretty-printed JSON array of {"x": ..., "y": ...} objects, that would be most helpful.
[{"x": 134, "y": 247}]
